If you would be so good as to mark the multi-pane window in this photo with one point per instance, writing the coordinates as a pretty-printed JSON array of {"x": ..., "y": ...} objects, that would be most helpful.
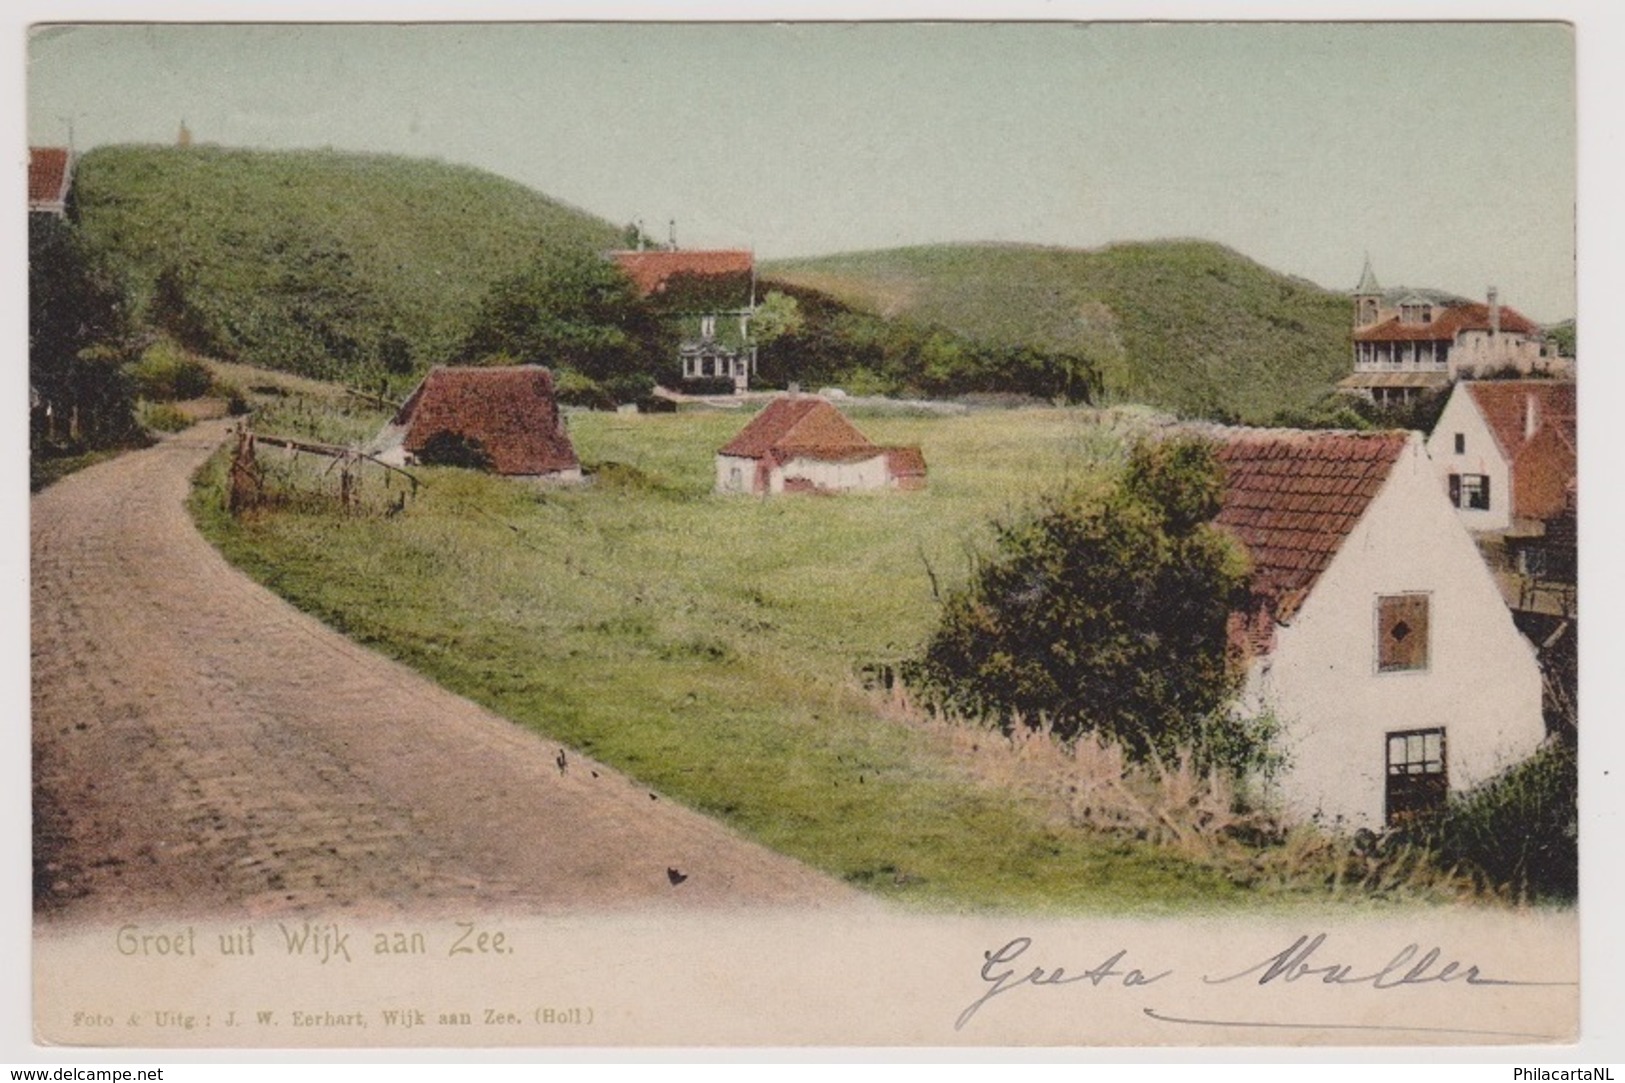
[
  {"x": 1470, "y": 491},
  {"x": 1402, "y": 632},
  {"x": 1418, "y": 779}
]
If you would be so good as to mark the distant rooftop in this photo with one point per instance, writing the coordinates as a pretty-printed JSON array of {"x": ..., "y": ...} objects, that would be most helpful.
[{"x": 50, "y": 175}]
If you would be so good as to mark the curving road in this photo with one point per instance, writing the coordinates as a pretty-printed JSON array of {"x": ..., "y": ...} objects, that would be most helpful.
[{"x": 202, "y": 748}]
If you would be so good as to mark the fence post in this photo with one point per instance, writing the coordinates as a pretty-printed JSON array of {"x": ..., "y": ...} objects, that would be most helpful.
[{"x": 243, "y": 489}]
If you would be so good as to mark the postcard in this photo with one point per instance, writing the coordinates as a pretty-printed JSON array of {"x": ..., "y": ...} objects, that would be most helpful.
[{"x": 909, "y": 534}]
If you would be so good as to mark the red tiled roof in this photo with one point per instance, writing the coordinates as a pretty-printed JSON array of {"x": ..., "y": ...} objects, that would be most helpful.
[
  {"x": 800, "y": 425},
  {"x": 49, "y": 172},
  {"x": 905, "y": 462},
  {"x": 510, "y": 410},
  {"x": 1292, "y": 497},
  {"x": 1470, "y": 316},
  {"x": 652, "y": 271},
  {"x": 1544, "y": 461},
  {"x": 1504, "y": 404}
]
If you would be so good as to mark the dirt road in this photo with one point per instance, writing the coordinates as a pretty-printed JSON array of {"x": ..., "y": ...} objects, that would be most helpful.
[{"x": 202, "y": 748}]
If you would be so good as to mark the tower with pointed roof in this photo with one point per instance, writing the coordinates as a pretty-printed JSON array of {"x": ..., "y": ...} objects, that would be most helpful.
[{"x": 1367, "y": 297}]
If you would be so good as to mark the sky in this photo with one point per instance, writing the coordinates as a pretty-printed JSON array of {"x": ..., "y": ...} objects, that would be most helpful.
[{"x": 1445, "y": 151}]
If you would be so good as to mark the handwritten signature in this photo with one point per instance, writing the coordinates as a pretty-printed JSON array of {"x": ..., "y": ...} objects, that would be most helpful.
[
  {"x": 1303, "y": 960},
  {"x": 1002, "y": 980}
]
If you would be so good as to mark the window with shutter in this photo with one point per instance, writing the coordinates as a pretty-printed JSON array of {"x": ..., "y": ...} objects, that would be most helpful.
[{"x": 1402, "y": 632}]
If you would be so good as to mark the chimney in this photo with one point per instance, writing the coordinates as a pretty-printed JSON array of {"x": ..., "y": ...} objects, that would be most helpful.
[
  {"x": 673, "y": 234},
  {"x": 1531, "y": 416},
  {"x": 1495, "y": 311}
]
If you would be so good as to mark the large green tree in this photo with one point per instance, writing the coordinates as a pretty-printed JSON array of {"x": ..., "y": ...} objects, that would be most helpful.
[
  {"x": 1106, "y": 615},
  {"x": 78, "y": 340},
  {"x": 575, "y": 311}
]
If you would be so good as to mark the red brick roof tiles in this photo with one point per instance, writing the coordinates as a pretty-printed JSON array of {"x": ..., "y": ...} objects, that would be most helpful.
[
  {"x": 510, "y": 410},
  {"x": 1291, "y": 498},
  {"x": 804, "y": 425},
  {"x": 1505, "y": 403},
  {"x": 1449, "y": 322},
  {"x": 905, "y": 462},
  {"x": 1533, "y": 423},
  {"x": 49, "y": 173},
  {"x": 652, "y": 271}
]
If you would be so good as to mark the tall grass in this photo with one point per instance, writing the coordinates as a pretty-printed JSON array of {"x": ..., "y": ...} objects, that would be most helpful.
[{"x": 1202, "y": 816}]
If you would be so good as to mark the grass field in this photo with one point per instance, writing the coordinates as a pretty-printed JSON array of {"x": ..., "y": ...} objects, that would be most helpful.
[{"x": 708, "y": 645}]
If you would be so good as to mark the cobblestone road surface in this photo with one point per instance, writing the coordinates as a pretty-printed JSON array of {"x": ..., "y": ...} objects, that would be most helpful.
[{"x": 202, "y": 748}]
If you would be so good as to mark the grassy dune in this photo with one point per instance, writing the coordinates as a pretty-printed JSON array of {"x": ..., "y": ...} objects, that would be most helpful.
[
  {"x": 328, "y": 263},
  {"x": 1187, "y": 325}
]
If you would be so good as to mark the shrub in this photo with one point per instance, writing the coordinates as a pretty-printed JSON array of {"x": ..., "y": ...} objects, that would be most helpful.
[
  {"x": 236, "y": 401},
  {"x": 1107, "y": 616},
  {"x": 1520, "y": 830},
  {"x": 709, "y": 385},
  {"x": 163, "y": 417},
  {"x": 166, "y": 373},
  {"x": 577, "y": 311}
]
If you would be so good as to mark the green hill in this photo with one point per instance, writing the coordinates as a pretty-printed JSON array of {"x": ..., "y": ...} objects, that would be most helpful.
[
  {"x": 1187, "y": 325},
  {"x": 319, "y": 262}
]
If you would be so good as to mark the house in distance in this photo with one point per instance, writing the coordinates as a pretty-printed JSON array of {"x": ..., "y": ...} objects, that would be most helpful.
[
  {"x": 50, "y": 180},
  {"x": 1505, "y": 451},
  {"x": 710, "y": 295},
  {"x": 1371, "y": 626},
  {"x": 504, "y": 419},
  {"x": 1408, "y": 342},
  {"x": 802, "y": 443}
]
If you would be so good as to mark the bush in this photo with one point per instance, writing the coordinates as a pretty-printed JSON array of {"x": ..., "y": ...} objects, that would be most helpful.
[
  {"x": 708, "y": 385},
  {"x": 1520, "y": 830},
  {"x": 166, "y": 373},
  {"x": 1108, "y": 617},
  {"x": 576, "y": 311},
  {"x": 236, "y": 401},
  {"x": 162, "y": 417}
]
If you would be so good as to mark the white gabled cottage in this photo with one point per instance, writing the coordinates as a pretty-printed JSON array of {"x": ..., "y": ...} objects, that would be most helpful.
[
  {"x": 1505, "y": 451},
  {"x": 802, "y": 443},
  {"x": 1376, "y": 634}
]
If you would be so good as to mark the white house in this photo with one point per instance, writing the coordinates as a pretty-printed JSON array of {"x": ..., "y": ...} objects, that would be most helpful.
[
  {"x": 709, "y": 295},
  {"x": 801, "y": 443},
  {"x": 1408, "y": 342},
  {"x": 1376, "y": 635},
  {"x": 1504, "y": 451}
]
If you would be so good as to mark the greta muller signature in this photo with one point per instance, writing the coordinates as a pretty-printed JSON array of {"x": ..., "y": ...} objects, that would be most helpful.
[{"x": 1305, "y": 960}]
